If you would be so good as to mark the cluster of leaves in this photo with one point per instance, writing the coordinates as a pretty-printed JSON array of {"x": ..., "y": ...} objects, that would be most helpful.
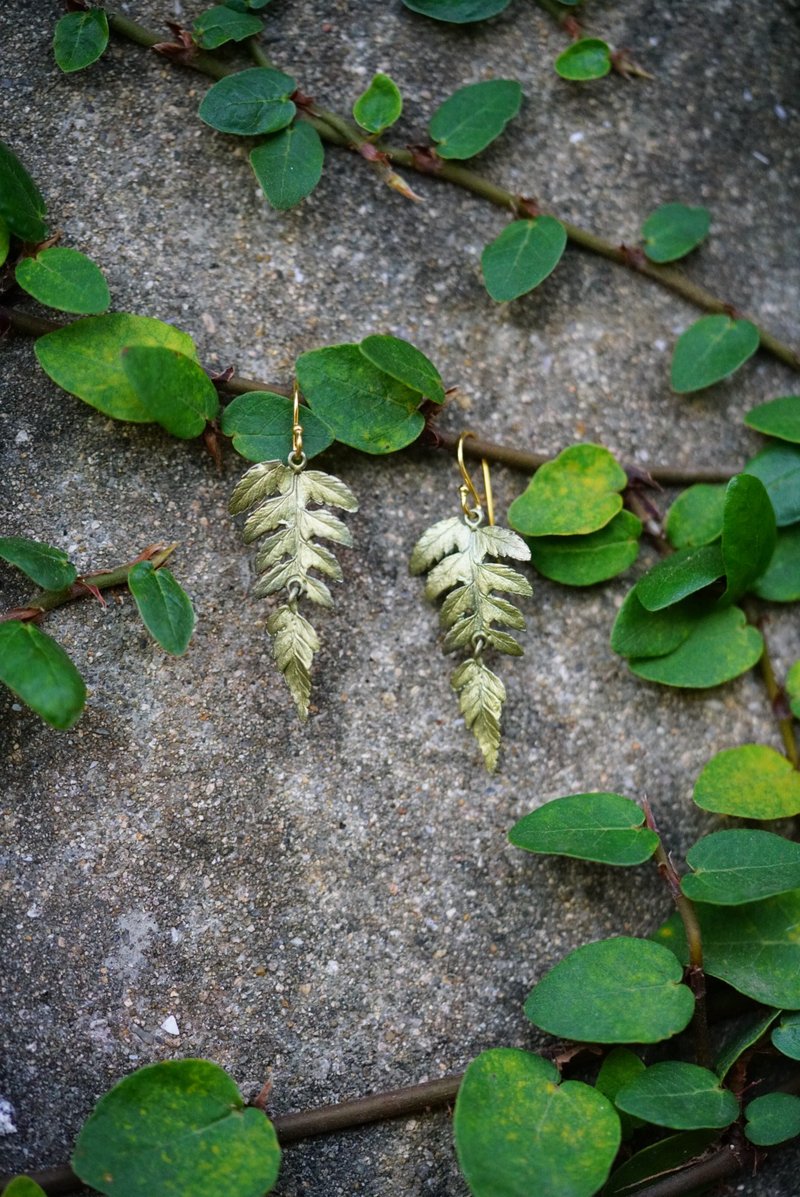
[
  {"x": 518, "y": 1127},
  {"x": 35, "y": 667}
]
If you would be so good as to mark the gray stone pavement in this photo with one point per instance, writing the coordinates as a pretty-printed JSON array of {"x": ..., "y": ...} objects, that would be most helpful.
[{"x": 335, "y": 906}]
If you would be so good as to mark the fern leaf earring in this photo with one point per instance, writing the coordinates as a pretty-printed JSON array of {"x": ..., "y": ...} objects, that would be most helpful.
[
  {"x": 281, "y": 493},
  {"x": 456, "y": 551}
]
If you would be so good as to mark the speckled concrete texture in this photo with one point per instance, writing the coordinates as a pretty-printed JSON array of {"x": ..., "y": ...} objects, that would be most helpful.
[{"x": 334, "y": 907}]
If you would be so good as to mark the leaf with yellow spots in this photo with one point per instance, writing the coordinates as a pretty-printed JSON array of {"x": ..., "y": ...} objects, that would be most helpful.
[{"x": 573, "y": 495}]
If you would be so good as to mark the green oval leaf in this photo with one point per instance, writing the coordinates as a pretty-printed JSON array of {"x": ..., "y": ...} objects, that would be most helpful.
[
  {"x": 742, "y": 1039},
  {"x": 615, "y": 991},
  {"x": 793, "y": 689},
  {"x": 734, "y": 937},
  {"x": 720, "y": 646},
  {"x": 221, "y": 24},
  {"x": 778, "y": 467},
  {"x": 179, "y": 1129},
  {"x": 261, "y": 426},
  {"x": 164, "y": 606},
  {"x": 751, "y": 781},
  {"x": 21, "y": 203},
  {"x": 85, "y": 358},
  {"x": 518, "y": 1130},
  {"x": 734, "y": 867},
  {"x": 586, "y": 560},
  {"x": 677, "y": 577},
  {"x": 773, "y": 1118},
  {"x": 524, "y": 254},
  {"x": 457, "y": 12},
  {"x": 674, "y": 230},
  {"x": 589, "y": 58},
  {"x": 5, "y": 240},
  {"x": 48, "y": 567},
  {"x": 23, "y": 1186},
  {"x": 748, "y": 534},
  {"x": 618, "y": 1069},
  {"x": 80, "y": 39},
  {"x": 651, "y": 1163},
  {"x": 780, "y": 582},
  {"x": 250, "y": 102},
  {"x": 778, "y": 417},
  {"x": 603, "y": 827},
  {"x": 364, "y": 407},
  {"x": 711, "y": 349},
  {"x": 681, "y": 1096},
  {"x": 289, "y": 165},
  {"x": 576, "y": 493},
  {"x": 379, "y": 106},
  {"x": 695, "y": 518},
  {"x": 786, "y": 1037},
  {"x": 474, "y": 116},
  {"x": 173, "y": 389},
  {"x": 64, "y": 279},
  {"x": 638, "y": 632},
  {"x": 39, "y": 672},
  {"x": 403, "y": 361}
]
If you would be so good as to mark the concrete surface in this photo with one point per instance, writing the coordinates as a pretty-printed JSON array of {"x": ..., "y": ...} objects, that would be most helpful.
[{"x": 334, "y": 906}]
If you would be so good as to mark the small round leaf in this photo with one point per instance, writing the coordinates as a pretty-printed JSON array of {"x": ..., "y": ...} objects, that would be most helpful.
[
  {"x": 619, "y": 990},
  {"x": 164, "y": 606},
  {"x": 21, "y": 203},
  {"x": 524, "y": 254},
  {"x": 80, "y": 39},
  {"x": 48, "y": 567},
  {"x": 673, "y": 230},
  {"x": 250, "y": 102},
  {"x": 379, "y": 106},
  {"x": 403, "y": 361},
  {"x": 720, "y": 646},
  {"x": 39, "y": 672},
  {"x": 474, "y": 116},
  {"x": 741, "y": 1039},
  {"x": 586, "y": 560},
  {"x": 457, "y": 12},
  {"x": 711, "y": 349},
  {"x": 221, "y": 24},
  {"x": 751, "y": 781},
  {"x": 65, "y": 279},
  {"x": 677, "y": 577},
  {"x": 518, "y": 1130},
  {"x": 173, "y": 389},
  {"x": 261, "y": 426},
  {"x": 778, "y": 417},
  {"x": 603, "y": 827},
  {"x": 748, "y": 534},
  {"x": 773, "y": 1118},
  {"x": 23, "y": 1186},
  {"x": 681, "y": 1096},
  {"x": 638, "y": 632},
  {"x": 730, "y": 868},
  {"x": 695, "y": 518},
  {"x": 5, "y": 240},
  {"x": 289, "y": 165},
  {"x": 651, "y": 1163},
  {"x": 778, "y": 467},
  {"x": 584, "y": 60},
  {"x": 576, "y": 493},
  {"x": 786, "y": 1036},
  {"x": 780, "y": 581}
]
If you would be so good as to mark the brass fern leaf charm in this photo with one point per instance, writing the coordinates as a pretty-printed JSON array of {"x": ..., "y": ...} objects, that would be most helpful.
[
  {"x": 281, "y": 496},
  {"x": 456, "y": 551}
]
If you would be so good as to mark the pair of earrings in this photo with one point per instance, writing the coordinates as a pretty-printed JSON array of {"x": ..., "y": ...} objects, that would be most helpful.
[{"x": 455, "y": 552}]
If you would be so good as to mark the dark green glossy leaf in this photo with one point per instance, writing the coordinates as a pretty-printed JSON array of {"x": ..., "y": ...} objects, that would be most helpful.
[
  {"x": 173, "y": 389},
  {"x": 5, "y": 240},
  {"x": 673, "y": 230},
  {"x": 773, "y": 1118},
  {"x": 695, "y": 518},
  {"x": 48, "y": 567},
  {"x": 742, "y": 1040},
  {"x": 778, "y": 417},
  {"x": 21, "y": 203},
  {"x": 404, "y": 362},
  {"x": 289, "y": 165},
  {"x": 250, "y": 102},
  {"x": 711, "y": 349},
  {"x": 85, "y": 358},
  {"x": 23, "y": 1186},
  {"x": 615, "y": 991},
  {"x": 585, "y": 560},
  {"x": 379, "y": 106},
  {"x": 519, "y": 1131},
  {"x": 474, "y": 116},
  {"x": 457, "y": 12},
  {"x": 654, "y": 1161},
  {"x": 584, "y": 60},
  {"x": 261, "y": 426},
  {"x": 177, "y": 1129},
  {"x": 524, "y": 254},
  {"x": 748, "y": 534},
  {"x": 735, "y": 937},
  {"x": 576, "y": 493},
  {"x": 619, "y": 1068},
  {"x": 247, "y": 5},
  {"x": 751, "y": 781},
  {"x": 680, "y": 1096},
  {"x": 164, "y": 606},
  {"x": 39, "y": 672},
  {"x": 64, "y": 279},
  {"x": 780, "y": 582},
  {"x": 221, "y": 24},
  {"x": 778, "y": 467},
  {"x": 80, "y": 39},
  {"x": 602, "y": 827},
  {"x": 720, "y": 646},
  {"x": 793, "y": 689},
  {"x": 677, "y": 577},
  {"x": 734, "y": 867},
  {"x": 786, "y": 1036},
  {"x": 638, "y": 632},
  {"x": 363, "y": 406}
]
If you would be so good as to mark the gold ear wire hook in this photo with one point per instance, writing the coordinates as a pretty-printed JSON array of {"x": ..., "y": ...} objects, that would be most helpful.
[
  {"x": 467, "y": 489},
  {"x": 297, "y": 427}
]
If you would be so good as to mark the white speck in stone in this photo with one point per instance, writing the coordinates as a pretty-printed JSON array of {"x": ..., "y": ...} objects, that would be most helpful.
[
  {"x": 22, "y": 437},
  {"x": 576, "y": 137},
  {"x": 653, "y": 41},
  {"x": 761, "y": 157},
  {"x": 332, "y": 967},
  {"x": 170, "y": 1025},
  {"x": 781, "y": 112},
  {"x": 660, "y": 345},
  {"x": 33, "y": 912},
  {"x": 7, "y": 1124},
  {"x": 747, "y": 95},
  {"x": 175, "y": 935}
]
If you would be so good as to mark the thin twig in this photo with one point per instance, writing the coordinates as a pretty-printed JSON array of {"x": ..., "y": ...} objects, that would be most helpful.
[{"x": 778, "y": 702}]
